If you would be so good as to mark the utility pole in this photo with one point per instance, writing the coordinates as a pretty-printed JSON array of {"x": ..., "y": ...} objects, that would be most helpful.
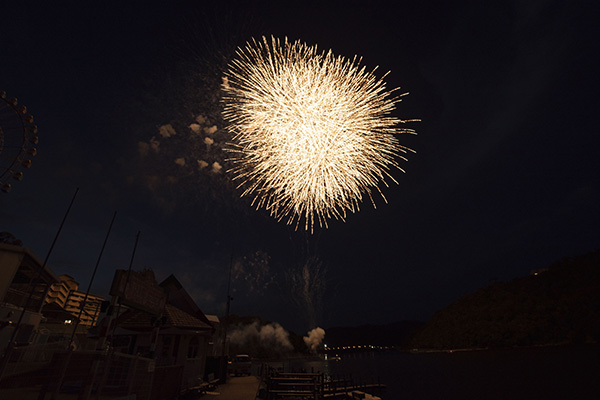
[
  {"x": 111, "y": 323},
  {"x": 11, "y": 342},
  {"x": 224, "y": 325},
  {"x": 87, "y": 293}
]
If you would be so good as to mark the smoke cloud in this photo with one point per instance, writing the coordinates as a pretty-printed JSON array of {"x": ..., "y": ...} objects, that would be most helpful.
[
  {"x": 202, "y": 164},
  {"x": 271, "y": 336},
  {"x": 180, "y": 161},
  {"x": 196, "y": 128},
  {"x": 216, "y": 167},
  {"x": 211, "y": 130},
  {"x": 314, "y": 338},
  {"x": 166, "y": 130}
]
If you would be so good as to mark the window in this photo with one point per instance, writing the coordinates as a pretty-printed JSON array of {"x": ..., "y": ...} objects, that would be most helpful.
[{"x": 193, "y": 348}]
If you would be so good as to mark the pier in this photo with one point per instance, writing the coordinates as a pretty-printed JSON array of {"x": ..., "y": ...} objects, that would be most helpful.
[{"x": 314, "y": 386}]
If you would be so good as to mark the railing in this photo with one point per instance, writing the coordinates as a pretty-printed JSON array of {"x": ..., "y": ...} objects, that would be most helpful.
[
  {"x": 280, "y": 385},
  {"x": 297, "y": 385},
  {"x": 32, "y": 357},
  {"x": 19, "y": 298},
  {"x": 344, "y": 386},
  {"x": 37, "y": 352}
]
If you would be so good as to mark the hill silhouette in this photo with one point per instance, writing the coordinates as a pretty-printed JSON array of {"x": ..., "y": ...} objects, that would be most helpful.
[{"x": 557, "y": 305}]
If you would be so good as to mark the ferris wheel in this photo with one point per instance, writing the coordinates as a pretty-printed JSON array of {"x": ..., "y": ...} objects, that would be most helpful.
[{"x": 18, "y": 138}]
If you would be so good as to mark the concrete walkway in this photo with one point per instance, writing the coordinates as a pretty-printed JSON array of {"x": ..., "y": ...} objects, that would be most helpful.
[{"x": 236, "y": 388}]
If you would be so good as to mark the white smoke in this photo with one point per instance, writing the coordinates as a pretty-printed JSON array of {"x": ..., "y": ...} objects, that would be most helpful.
[
  {"x": 202, "y": 164},
  {"x": 180, "y": 161},
  {"x": 216, "y": 167},
  {"x": 314, "y": 338},
  {"x": 196, "y": 128},
  {"x": 271, "y": 335},
  {"x": 208, "y": 142},
  {"x": 154, "y": 144},
  {"x": 166, "y": 130},
  {"x": 210, "y": 130}
]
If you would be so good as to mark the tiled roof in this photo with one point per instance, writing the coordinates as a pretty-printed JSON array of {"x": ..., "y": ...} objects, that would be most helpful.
[
  {"x": 180, "y": 298},
  {"x": 173, "y": 318},
  {"x": 181, "y": 319}
]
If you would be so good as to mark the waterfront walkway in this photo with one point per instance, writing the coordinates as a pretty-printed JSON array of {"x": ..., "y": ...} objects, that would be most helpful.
[{"x": 236, "y": 388}]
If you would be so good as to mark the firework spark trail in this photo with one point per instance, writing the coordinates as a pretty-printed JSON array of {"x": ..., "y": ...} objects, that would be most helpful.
[
  {"x": 307, "y": 283},
  {"x": 313, "y": 133}
]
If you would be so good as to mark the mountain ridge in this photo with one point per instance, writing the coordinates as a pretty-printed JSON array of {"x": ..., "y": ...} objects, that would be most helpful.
[{"x": 556, "y": 305}]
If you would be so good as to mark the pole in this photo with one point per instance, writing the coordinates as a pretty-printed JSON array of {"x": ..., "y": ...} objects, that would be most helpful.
[
  {"x": 111, "y": 317},
  {"x": 224, "y": 324},
  {"x": 87, "y": 293},
  {"x": 9, "y": 347}
]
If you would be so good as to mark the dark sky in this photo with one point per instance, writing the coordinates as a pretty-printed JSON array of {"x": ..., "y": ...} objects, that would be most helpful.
[{"x": 505, "y": 178}]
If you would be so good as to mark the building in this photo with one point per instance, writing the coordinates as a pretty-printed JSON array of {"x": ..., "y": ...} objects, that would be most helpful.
[
  {"x": 59, "y": 291},
  {"x": 177, "y": 337},
  {"x": 91, "y": 310},
  {"x": 65, "y": 294},
  {"x": 215, "y": 345},
  {"x": 24, "y": 284}
]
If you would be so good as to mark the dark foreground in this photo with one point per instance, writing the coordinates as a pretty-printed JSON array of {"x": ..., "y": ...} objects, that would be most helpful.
[{"x": 236, "y": 388}]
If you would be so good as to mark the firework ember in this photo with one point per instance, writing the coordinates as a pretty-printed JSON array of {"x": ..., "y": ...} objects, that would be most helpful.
[{"x": 312, "y": 133}]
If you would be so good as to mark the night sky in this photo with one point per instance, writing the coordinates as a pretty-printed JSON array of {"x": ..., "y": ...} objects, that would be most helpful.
[{"x": 505, "y": 178}]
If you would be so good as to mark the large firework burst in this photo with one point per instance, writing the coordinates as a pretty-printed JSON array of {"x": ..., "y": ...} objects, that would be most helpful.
[{"x": 313, "y": 133}]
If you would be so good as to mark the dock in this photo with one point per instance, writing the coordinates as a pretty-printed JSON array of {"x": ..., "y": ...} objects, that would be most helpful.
[{"x": 314, "y": 386}]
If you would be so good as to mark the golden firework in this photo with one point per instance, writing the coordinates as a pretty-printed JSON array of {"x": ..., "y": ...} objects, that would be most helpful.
[{"x": 312, "y": 133}]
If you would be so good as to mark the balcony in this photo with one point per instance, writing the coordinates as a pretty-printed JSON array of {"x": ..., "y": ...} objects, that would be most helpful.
[{"x": 18, "y": 298}]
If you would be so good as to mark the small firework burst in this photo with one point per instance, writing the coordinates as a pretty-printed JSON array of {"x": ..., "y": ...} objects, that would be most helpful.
[{"x": 312, "y": 133}]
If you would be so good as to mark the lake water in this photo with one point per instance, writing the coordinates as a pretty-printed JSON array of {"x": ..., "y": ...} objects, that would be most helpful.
[{"x": 565, "y": 373}]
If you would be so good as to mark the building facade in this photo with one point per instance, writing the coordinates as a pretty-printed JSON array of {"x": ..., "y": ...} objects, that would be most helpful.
[
  {"x": 177, "y": 337},
  {"x": 24, "y": 283},
  {"x": 65, "y": 293}
]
